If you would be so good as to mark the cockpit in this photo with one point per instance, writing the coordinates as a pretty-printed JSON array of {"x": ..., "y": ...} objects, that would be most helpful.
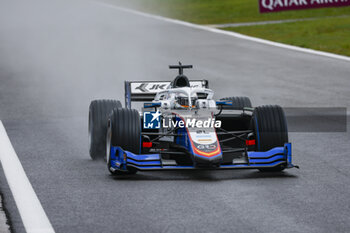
[{"x": 186, "y": 98}]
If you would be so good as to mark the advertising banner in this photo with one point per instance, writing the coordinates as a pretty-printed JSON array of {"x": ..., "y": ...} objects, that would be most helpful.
[{"x": 282, "y": 5}]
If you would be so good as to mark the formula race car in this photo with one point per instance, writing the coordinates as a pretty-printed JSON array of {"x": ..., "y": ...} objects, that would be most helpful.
[{"x": 181, "y": 126}]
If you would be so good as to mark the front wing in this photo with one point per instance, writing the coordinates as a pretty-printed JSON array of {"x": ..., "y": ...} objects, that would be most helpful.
[{"x": 120, "y": 160}]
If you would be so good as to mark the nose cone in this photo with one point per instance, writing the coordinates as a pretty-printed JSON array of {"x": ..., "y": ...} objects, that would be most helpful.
[
  {"x": 206, "y": 154},
  {"x": 208, "y": 162}
]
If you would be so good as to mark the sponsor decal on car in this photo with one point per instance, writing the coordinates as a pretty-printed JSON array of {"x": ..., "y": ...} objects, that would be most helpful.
[
  {"x": 204, "y": 140},
  {"x": 154, "y": 87},
  {"x": 197, "y": 138},
  {"x": 209, "y": 147}
]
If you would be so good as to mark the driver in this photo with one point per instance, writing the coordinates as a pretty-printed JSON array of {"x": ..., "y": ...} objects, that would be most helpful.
[{"x": 181, "y": 101}]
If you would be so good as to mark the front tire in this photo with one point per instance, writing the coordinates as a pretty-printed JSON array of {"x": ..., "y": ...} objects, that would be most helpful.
[
  {"x": 98, "y": 116},
  {"x": 124, "y": 130},
  {"x": 270, "y": 129}
]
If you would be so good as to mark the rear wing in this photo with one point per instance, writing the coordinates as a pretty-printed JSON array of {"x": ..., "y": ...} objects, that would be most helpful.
[{"x": 143, "y": 91}]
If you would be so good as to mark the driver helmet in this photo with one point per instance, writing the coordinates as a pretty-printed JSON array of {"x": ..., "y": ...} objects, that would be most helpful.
[{"x": 182, "y": 101}]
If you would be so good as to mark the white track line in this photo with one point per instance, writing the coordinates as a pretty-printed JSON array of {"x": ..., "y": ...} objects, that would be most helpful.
[
  {"x": 228, "y": 33},
  {"x": 29, "y": 207},
  {"x": 227, "y": 25}
]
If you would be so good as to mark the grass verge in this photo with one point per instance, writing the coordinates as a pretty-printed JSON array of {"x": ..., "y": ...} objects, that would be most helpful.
[
  {"x": 330, "y": 35},
  {"x": 224, "y": 11},
  {"x": 326, "y": 34}
]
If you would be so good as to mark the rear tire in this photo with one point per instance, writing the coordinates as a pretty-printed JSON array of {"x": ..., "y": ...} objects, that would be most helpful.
[
  {"x": 99, "y": 111},
  {"x": 270, "y": 128},
  {"x": 238, "y": 103},
  {"x": 124, "y": 130}
]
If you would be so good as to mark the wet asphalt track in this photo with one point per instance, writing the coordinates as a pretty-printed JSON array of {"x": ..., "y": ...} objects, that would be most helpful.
[{"x": 55, "y": 57}]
